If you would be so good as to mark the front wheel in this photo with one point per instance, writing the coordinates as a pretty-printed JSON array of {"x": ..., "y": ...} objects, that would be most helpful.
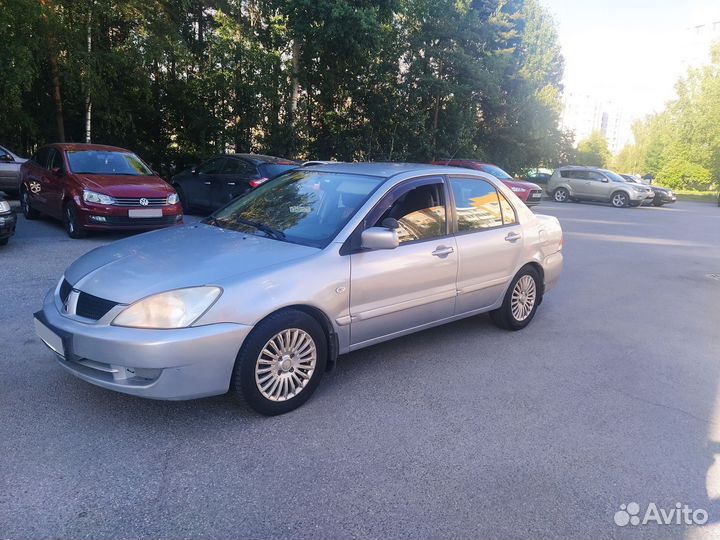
[
  {"x": 72, "y": 223},
  {"x": 619, "y": 199},
  {"x": 561, "y": 195},
  {"x": 658, "y": 204},
  {"x": 521, "y": 301},
  {"x": 281, "y": 362}
]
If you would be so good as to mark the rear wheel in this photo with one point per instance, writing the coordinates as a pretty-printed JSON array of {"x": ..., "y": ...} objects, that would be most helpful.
[
  {"x": 72, "y": 223},
  {"x": 619, "y": 199},
  {"x": 561, "y": 195},
  {"x": 281, "y": 362},
  {"x": 521, "y": 301},
  {"x": 4, "y": 241},
  {"x": 26, "y": 206}
]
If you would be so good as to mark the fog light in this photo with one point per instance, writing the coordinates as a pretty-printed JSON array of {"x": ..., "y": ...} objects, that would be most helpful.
[{"x": 98, "y": 218}]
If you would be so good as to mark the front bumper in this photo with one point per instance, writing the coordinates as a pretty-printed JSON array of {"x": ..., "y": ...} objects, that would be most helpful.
[
  {"x": 534, "y": 197},
  {"x": 8, "y": 221},
  {"x": 177, "y": 364},
  {"x": 110, "y": 217}
]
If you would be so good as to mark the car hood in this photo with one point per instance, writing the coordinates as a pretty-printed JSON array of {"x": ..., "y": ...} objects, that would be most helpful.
[
  {"x": 660, "y": 189},
  {"x": 126, "y": 185},
  {"x": 186, "y": 256},
  {"x": 519, "y": 184}
]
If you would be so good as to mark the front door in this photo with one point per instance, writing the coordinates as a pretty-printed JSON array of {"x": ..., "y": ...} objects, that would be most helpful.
[
  {"x": 598, "y": 186},
  {"x": 198, "y": 189},
  {"x": 489, "y": 241},
  {"x": 414, "y": 284}
]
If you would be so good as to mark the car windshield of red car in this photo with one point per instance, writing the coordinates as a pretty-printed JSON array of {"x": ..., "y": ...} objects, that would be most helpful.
[{"x": 107, "y": 163}]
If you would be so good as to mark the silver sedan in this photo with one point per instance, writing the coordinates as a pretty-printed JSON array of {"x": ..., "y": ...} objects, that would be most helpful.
[
  {"x": 261, "y": 297},
  {"x": 9, "y": 171}
]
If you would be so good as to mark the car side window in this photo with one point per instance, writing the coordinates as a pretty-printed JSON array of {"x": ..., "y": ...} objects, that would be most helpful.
[
  {"x": 420, "y": 213},
  {"x": 476, "y": 203},
  {"x": 5, "y": 156},
  {"x": 54, "y": 160},
  {"x": 214, "y": 166},
  {"x": 595, "y": 176},
  {"x": 41, "y": 157},
  {"x": 508, "y": 212},
  {"x": 238, "y": 166}
]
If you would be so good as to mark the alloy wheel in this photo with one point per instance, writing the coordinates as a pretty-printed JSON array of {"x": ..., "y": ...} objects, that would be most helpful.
[
  {"x": 560, "y": 195},
  {"x": 523, "y": 298},
  {"x": 285, "y": 364},
  {"x": 619, "y": 199}
]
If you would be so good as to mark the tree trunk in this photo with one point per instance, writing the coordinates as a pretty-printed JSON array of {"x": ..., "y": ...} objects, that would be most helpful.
[
  {"x": 88, "y": 99},
  {"x": 57, "y": 97}
]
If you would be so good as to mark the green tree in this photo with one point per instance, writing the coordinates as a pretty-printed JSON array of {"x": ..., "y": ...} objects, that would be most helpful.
[{"x": 593, "y": 151}]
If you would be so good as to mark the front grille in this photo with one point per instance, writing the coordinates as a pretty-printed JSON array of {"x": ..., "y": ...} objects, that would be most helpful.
[
  {"x": 65, "y": 289},
  {"x": 135, "y": 201},
  {"x": 92, "y": 307},
  {"x": 124, "y": 221}
]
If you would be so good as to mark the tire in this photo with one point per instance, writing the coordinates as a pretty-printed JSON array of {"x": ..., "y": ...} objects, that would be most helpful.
[
  {"x": 265, "y": 391},
  {"x": 658, "y": 204},
  {"x": 635, "y": 204},
  {"x": 71, "y": 222},
  {"x": 561, "y": 195},
  {"x": 183, "y": 199},
  {"x": 4, "y": 241},
  {"x": 26, "y": 206},
  {"x": 506, "y": 316},
  {"x": 619, "y": 199}
]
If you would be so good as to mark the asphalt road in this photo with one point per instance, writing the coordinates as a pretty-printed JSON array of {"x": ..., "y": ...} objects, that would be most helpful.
[{"x": 610, "y": 396}]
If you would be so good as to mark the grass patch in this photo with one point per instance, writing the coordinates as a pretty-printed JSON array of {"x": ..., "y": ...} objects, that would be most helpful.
[{"x": 693, "y": 195}]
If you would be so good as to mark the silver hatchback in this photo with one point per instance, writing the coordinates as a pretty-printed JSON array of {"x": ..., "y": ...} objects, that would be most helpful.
[{"x": 261, "y": 297}]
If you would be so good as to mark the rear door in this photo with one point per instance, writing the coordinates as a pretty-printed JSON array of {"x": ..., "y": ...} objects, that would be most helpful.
[
  {"x": 34, "y": 176},
  {"x": 489, "y": 240},
  {"x": 198, "y": 188},
  {"x": 53, "y": 181},
  {"x": 412, "y": 285},
  {"x": 233, "y": 181},
  {"x": 579, "y": 183},
  {"x": 8, "y": 171}
]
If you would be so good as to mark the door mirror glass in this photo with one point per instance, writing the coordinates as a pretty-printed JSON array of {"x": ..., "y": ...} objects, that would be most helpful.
[
  {"x": 6, "y": 157},
  {"x": 57, "y": 171},
  {"x": 379, "y": 238}
]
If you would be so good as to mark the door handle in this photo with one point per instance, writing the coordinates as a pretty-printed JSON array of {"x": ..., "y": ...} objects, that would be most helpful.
[
  {"x": 231, "y": 183},
  {"x": 512, "y": 237},
  {"x": 443, "y": 251},
  {"x": 207, "y": 183}
]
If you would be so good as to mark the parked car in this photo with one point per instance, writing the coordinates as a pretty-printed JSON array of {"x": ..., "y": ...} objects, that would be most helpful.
[
  {"x": 538, "y": 176},
  {"x": 95, "y": 187},
  {"x": 217, "y": 181},
  {"x": 7, "y": 221},
  {"x": 527, "y": 192},
  {"x": 575, "y": 183},
  {"x": 9, "y": 171},
  {"x": 256, "y": 299},
  {"x": 661, "y": 195}
]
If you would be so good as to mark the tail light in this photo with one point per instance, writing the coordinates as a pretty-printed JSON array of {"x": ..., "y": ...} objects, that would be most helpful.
[
  {"x": 562, "y": 240},
  {"x": 258, "y": 182}
]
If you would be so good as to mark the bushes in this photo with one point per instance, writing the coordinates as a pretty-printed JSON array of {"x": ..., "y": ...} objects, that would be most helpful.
[{"x": 679, "y": 173}]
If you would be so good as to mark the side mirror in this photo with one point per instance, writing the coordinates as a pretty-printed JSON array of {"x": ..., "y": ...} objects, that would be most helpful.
[
  {"x": 379, "y": 238},
  {"x": 605, "y": 180},
  {"x": 194, "y": 170},
  {"x": 6, "y": 157},
  {"x": 57, "y": 171}
]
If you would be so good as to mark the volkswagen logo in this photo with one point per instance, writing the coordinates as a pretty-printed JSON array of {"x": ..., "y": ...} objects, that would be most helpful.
[{"x": 144, "y": 202}]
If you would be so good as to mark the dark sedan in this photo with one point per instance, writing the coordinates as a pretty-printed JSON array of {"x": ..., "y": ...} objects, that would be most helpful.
[
  {"x": 662, "y": 195},
  {"x": 214, "y": 183},
  {"x": 7, "y": 221}
]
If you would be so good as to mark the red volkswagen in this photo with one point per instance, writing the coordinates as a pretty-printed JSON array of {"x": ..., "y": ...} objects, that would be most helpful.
[
  {"x": 527, "y": 192},
  {"x": 89, "y": 186}
]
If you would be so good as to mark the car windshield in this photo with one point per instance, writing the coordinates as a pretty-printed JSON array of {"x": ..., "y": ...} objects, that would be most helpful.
[
  {"x": 301, "y": 206},
  {"x": 107, "y": 163},
  {"x": 614, "y": 176},
  {"x": 497, "y": 172}
]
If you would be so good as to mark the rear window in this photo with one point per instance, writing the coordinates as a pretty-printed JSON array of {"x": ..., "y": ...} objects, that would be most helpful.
[
  {"x": 572, "y": 173},
  {"x": 271, "y": 170},
  {"x": 497, "y": 172}
]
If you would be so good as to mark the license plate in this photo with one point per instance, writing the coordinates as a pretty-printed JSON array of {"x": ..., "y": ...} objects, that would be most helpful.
[
  {"x": 145, "y": 213},
  {"x": 535, "y": 195},
  {"x": 50, "y": 338}
]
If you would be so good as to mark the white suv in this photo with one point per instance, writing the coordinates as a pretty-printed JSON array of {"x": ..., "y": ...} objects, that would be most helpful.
[{"x": 573, "y": 183}]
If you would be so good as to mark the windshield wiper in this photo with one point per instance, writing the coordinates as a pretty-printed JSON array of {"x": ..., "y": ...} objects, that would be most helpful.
[{"x": 273, "y": 233}]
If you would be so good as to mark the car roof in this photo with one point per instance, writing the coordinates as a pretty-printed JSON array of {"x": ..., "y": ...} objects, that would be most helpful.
[
  {"x": 79, "y": 147},
  {"x": 385, "y": 170},
  {"x": 261, "y": 158}
]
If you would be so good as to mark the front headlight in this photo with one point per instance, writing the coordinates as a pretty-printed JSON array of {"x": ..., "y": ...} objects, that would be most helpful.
[
  {"x": 518, "y": 189},
  {"x": 641, "y": 189},
  {"x": 98, "y": 198},
  {"x": 173, "y": 198},
  {"x": 173, "y": 309},
  {"x": 4, "y": 206}
]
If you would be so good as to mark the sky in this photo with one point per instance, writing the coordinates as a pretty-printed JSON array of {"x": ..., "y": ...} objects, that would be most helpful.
[{"x": 631, "y": 52}]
